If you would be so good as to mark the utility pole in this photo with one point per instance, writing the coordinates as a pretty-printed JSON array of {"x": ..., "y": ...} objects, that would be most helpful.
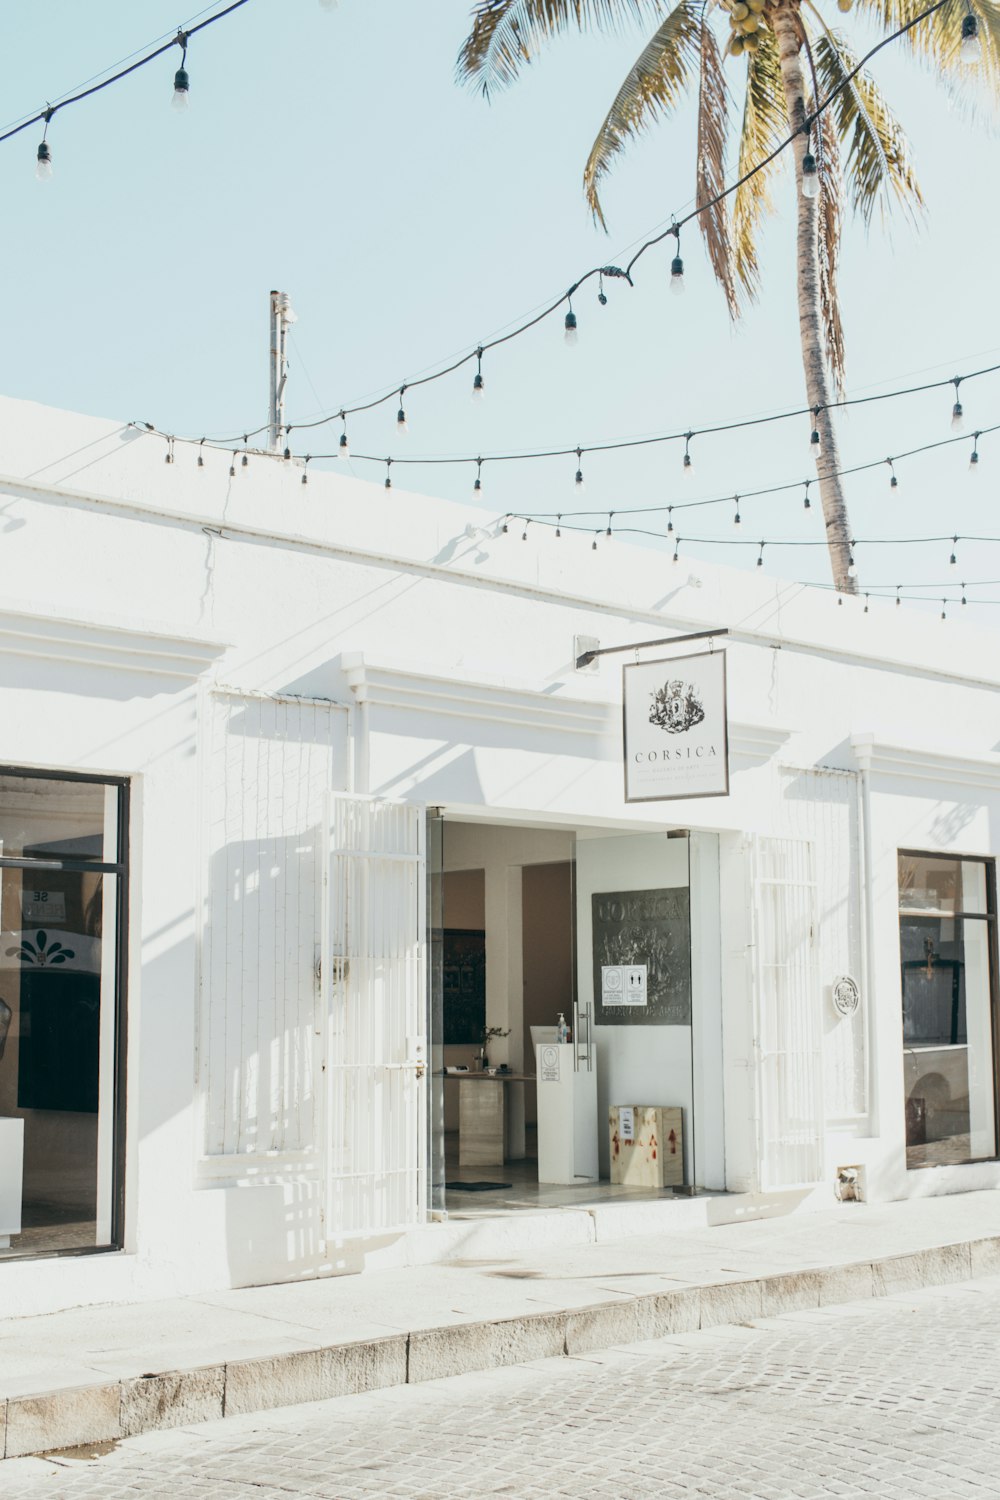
[{"x": 282, "y": 317}]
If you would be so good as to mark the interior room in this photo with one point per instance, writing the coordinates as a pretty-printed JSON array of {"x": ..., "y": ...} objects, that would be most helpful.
[{"x": 534, "y": 923}]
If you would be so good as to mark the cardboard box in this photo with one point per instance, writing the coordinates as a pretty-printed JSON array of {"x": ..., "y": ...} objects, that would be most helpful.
[{"x": 647, "y": 1145}]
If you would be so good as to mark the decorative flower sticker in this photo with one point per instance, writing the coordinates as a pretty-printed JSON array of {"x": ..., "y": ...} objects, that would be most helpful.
[{"x": 38, "y": 954}]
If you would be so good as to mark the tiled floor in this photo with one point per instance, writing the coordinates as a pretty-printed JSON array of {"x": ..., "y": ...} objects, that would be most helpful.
[{"x": 525, "y": 1191}]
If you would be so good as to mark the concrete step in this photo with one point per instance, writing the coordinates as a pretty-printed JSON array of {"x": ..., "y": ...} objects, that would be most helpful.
[{"x": 197, "y": 1359}]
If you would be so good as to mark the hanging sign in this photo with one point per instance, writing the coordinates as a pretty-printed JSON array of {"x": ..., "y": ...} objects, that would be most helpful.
[{"x": 676, "y": 733}]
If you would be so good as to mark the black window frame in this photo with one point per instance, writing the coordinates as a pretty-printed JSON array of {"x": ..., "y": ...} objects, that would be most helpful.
[
  {"x": 118, "y": 867},
  {"x": 989, "y": 864}
]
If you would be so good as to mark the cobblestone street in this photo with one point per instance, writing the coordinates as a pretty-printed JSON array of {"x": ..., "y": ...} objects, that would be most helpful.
[{"x": 895, "y": 1398}]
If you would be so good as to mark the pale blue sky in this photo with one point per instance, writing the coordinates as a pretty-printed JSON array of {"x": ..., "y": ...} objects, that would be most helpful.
[{"x": 330, "y": 153}]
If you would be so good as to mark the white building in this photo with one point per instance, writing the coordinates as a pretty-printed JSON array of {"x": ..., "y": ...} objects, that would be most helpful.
[{"x": 213, "y": 972}]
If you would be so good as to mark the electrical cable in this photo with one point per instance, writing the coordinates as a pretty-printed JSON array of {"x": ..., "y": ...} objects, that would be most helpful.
[
  {"x": 609, "y": 271},
  {"x": 47, "y": 114}
]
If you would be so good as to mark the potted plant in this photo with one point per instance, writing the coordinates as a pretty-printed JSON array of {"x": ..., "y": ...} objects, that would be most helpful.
[{"x": 487, "y": 1035}]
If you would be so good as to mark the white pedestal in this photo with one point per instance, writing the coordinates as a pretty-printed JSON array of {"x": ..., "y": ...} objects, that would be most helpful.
[
  {"x": 11, "y": 1166},
  {"x": 567, "y": 1116}
]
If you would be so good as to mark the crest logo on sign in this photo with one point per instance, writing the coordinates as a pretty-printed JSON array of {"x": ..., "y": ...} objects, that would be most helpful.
[{"x": 676, "y": 707}]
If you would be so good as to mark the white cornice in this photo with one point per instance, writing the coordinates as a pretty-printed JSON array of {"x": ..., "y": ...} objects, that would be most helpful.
[
  {"x": 925, "y": 763},
  {"x": 493, "y": 702},
  {"x": 123, "y": 648}
]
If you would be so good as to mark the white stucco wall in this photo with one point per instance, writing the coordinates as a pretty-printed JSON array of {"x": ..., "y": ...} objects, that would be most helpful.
[{"x": 133, "y": 585}]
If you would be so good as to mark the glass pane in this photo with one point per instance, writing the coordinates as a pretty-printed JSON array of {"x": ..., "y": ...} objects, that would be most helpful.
[
  {"x": 927, "y": 883},
  {"x": 49, "y": 819},
  {"x": 947, "y": 1039},
  {"x": 57, "y": 1013}
]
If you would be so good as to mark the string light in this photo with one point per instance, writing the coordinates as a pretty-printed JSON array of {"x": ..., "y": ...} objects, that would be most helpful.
[
  {"x": 168, "y": 457},
  {"x": 677, "y": 544},
  {"x": 670, "y": 520},
  {"x": 201, "y": 457},
  {"x": 478, "y": 485},
  {"x": 401, "y": 424},
  {"x": 760, "y": 556},
  {"x": 601, "y": 297},
  {"x": 810, "y": 179},
  {"x": 43, "y": 156},
  {"x": 578, "y": 481},
  {"x": 524, "y": 533},
  {"x": 558, "y": 526},
  {"x": 245, "y": 460},
  {"x": 893, "y": 481},
  {"x": 944, "y": 603},
  {"x": 343, "y": 447},
  {"x": 687, "y": 464},
  {"x": 388, "y": 476},
  {"x": 736, "y": 517},
  {"x": 593, "y": 545},
  {"x": 956, "y": 411},
  {"x": 677, "y": 266},
  {"x": 806, "y": 502},
  {"x": 974, "y": 455},
  {"x": 814, "y": 437},
  {"x": 570, "y": 333},
  {"x": 505, "y": 528},
  {"x": 964, "y": 600},
  {"x": 478, "y": 383},
  {"x": 182, "y": 83},
  {"x": 852, "y": 568},
  {"x": 305, "y": 468},
  {"x": 610, "y": 518},
  {"x": 232, "y": 466},
  {"x": 968, "y": 48},
  {"x": 953, "y": 559},
  {"x": 898, "y": 599}
]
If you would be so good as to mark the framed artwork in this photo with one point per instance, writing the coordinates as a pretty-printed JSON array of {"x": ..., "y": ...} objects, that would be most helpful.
[{"x": 464, "y": 986}]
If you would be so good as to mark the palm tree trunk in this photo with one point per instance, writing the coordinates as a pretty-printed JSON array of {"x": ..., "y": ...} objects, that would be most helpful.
[{"x": 838, "y": 531}]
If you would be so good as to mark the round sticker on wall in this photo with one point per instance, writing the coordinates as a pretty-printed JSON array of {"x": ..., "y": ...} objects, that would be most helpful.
[{"x": 846, "y": 995}]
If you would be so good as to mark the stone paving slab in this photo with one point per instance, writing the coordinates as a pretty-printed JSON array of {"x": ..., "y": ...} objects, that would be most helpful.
[{"x": 98, "y": 1374}]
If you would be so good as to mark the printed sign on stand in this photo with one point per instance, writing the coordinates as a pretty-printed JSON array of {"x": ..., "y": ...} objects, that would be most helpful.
[{"x": 675, "y": 728}]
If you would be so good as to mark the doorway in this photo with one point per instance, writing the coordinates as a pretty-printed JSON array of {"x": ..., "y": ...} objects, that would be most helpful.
[{"x": 525, "y": 923}]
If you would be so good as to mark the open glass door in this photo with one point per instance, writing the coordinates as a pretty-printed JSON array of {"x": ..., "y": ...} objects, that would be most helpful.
[{"x": 374, "y": 981}]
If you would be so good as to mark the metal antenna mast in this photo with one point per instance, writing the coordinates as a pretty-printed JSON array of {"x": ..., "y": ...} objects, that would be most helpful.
[{"x": 282, "y": 317}]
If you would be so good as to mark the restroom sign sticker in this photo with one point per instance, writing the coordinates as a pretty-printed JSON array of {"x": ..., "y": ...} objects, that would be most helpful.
[{"x": 623, "y": 984}]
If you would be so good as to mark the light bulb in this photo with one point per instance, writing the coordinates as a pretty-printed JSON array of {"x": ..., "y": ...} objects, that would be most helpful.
[
  {"x": 968, "y": 50},
  {"x": 677, "y": 276},
  {"x": 478, "y": 486},
  {"x": 974, "y": 462},
  {"x": 570, "y": 332},
  {"x": 687, "y": 465},
  {"x": 401, "y": 425},
  {"x": 578, "y": 481},
  {"x": 43, "y": 162},
  {"x": 957, "y": 417},
  {"x": 852, "y": 571},
  {"x": 815, "y": 444},
  {"x": 343, "y": 447},
  {"x": 810, "y": 177},
  {"x": 478, "y": 387},
  {"x": 182, "y": 86}
]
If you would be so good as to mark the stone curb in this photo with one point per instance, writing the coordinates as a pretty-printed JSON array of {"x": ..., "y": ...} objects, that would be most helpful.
[{"x": 123, "y": 1408}]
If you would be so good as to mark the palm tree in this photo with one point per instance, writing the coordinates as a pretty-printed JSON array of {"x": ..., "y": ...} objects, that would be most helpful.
[{"x": 792, "y": 59}]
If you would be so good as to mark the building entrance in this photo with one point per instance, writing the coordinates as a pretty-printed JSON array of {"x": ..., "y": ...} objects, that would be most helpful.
[{"x": 534, "y": 929}]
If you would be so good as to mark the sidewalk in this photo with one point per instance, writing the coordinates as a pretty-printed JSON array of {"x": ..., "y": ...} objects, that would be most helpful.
[{"x": 100, "y": 1373}]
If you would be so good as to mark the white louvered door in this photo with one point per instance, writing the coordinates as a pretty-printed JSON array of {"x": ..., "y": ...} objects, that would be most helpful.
[
  {"x": 787, "y": 1020},
  {"x": 374, "y": 984}
]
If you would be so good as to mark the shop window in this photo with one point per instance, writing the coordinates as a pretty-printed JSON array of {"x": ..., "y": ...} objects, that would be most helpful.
[
  {"x": 946, "y": 938},
  {"x": 62, "y": 890}
]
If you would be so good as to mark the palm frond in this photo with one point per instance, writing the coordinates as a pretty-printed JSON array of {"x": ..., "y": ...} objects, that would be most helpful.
[
  {"x": 765, "y": 125},
  {"x": 654, "y": 85},
  {"x": 877, "y": 167},
  {"x": 830, "y": 212},
  {"x": 506, "y": 34},
  {"x": 710, "y": 175}
]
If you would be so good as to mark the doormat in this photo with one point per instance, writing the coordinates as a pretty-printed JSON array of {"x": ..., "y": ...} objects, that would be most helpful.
[{"x": 476, "y": 1187}]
